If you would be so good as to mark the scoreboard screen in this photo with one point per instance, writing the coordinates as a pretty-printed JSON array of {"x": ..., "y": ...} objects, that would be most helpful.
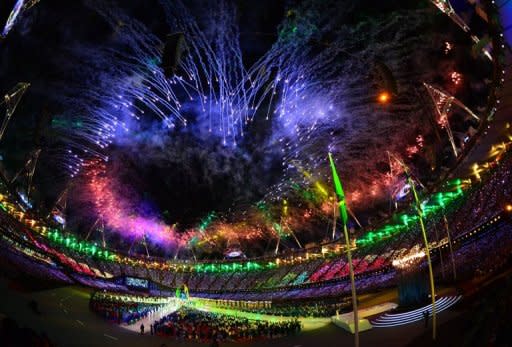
[{"x": 136, "y": 282}]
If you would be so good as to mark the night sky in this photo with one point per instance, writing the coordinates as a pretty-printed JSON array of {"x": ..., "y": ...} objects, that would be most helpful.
[{"x": 61, "y": 48}]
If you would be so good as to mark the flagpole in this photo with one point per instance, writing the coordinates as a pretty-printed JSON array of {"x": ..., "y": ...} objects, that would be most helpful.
[
  {"x": 429, "y": 262},
  {"x": 353, "y": 286},
  {"x": 427, "y": 248},
  {"x": 344, "y": 217}
]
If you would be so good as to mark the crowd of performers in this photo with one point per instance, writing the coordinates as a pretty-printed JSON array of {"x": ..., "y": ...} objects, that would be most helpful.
[
  {"x": 126, "y": 309},
  {"x": 298, "y": 308},
  {"x": 192, "y": 324},
  {"x": 186, "y": 323}
]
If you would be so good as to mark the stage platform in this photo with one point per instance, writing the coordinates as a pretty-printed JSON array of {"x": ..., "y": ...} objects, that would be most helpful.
[{"x": 346, "y": 320}]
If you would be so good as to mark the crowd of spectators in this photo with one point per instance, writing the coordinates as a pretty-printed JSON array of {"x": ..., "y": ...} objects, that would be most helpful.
[
  {"x": 190, "y": 324},
  {"x": 489, "y": 323},
  {"x": 486, "y": 199},
  {"x": 320, "y": 290},
  {"x": 484, "y": 256},
  {"x": 99, "y": 283},
  {"x": 15, "y": 264}
]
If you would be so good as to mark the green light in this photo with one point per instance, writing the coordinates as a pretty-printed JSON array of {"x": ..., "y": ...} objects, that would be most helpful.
[
  {"x": 233, "y": 267},
  {"x": 406, "y": 222},
  {"x": 205, "y": 223}
]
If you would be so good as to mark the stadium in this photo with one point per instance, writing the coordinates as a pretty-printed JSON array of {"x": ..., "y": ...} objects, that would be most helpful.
[{"x": 261, "y": 173}]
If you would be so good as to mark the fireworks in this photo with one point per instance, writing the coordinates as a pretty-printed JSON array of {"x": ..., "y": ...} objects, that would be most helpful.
[
  {"x": 311, "y": 95},
  {"x": 456, "y": 78},
  {"x": 122, "y": 217},
  {"x": 448, "y": 47}
]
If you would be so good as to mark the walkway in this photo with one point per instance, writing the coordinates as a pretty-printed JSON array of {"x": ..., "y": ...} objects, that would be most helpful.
[{"x": 389, "y": 320}]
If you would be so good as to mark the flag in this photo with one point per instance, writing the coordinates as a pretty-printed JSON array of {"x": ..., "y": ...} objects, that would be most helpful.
[{"x": 339, "y": 191}]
